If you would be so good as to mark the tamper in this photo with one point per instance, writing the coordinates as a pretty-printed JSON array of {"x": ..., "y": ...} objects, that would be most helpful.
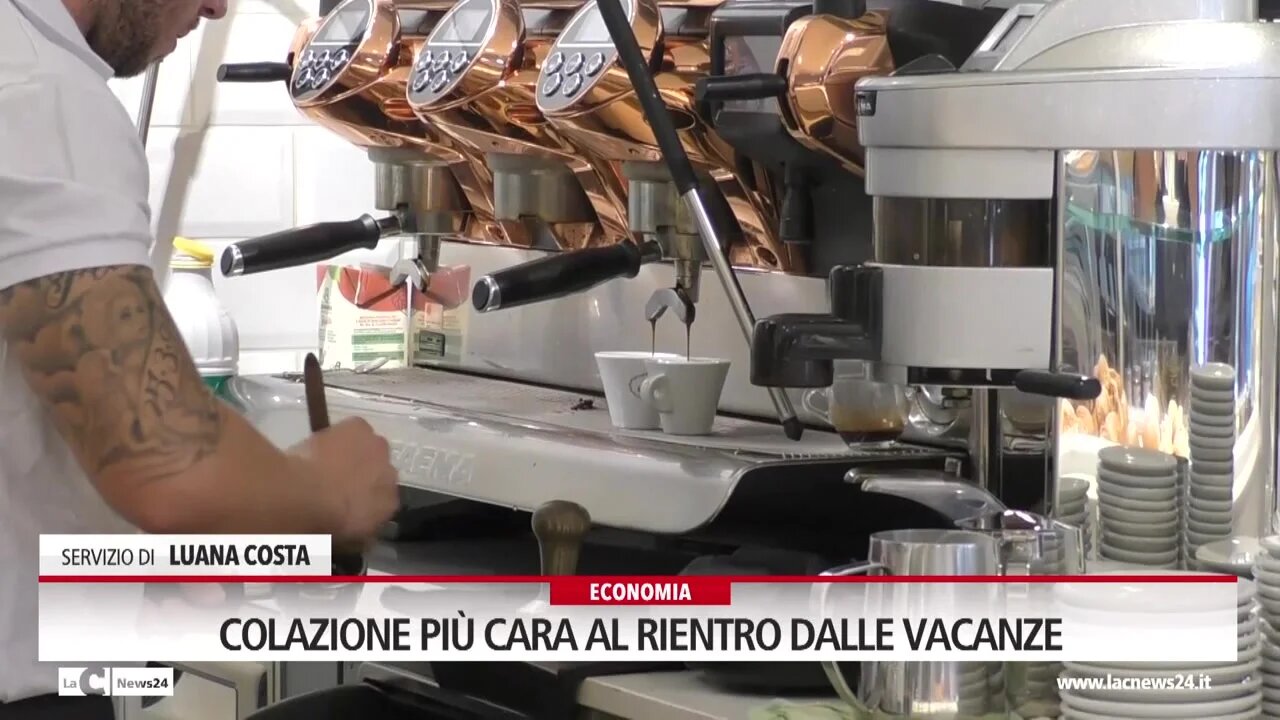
[{"x": 560, "y": 527}]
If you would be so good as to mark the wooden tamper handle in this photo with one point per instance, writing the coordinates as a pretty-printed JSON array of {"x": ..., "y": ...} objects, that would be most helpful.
[{"x": 560, "y": 527}]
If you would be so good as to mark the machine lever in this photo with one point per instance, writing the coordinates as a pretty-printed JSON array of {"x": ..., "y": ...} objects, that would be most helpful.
[
  {"x": 299, "y": 246},
  {"x": 678, "y": 164},
  {"x": 757, "y": 86},
  {"x": 554, "y": 276},
  {"x": 255, "y": 72},
  {"x": 1058, "y": 385}
]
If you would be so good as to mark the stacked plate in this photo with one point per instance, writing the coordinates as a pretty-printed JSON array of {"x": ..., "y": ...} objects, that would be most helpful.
[
  {"x": 1186, "y": 555},
  {"x": 1138, "y": 507},
  {"x": 1073, "y": 506},
  {"x": 1234, "y": 689},
  {"x": 1266, "y": 573},
  {"x": 1235, "y": 556},
  {"x": 1212, "y": 439}
]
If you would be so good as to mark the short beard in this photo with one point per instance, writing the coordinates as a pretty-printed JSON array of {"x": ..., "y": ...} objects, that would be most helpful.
[{"x": 124, "y": 33}]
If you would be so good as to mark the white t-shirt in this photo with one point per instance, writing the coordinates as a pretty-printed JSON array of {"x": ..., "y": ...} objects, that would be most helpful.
[{"x": 73, "y": 195}]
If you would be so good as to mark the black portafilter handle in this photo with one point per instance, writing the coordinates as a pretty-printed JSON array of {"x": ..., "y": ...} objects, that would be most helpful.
[
  {"x": 756, "y": 86},
  {"x": 300, "y": 246},
  {"x": 1058, "y": 385},
  {"x": 256, "y": 72},
  {"x": 556, "y": 276}
]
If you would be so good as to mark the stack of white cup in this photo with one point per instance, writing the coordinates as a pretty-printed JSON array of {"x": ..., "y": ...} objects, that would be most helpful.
[
  {"x": 1138, "y": 507},
  {"x": 1073, "y": 506},
  {"x": 1234, "y": 690},
  {"x": 1266, "y": 574},
  {"x": 1212, "y": 439}
]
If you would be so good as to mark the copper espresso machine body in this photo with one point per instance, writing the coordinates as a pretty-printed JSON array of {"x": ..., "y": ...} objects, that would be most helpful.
[
  {"x": 822, "y": 58},
  {"x": 359, "y": 94},
  {"x": 824, "y": 55},
  {"x": 595, "y": 105},
  {"x": 476, "y": 79}
]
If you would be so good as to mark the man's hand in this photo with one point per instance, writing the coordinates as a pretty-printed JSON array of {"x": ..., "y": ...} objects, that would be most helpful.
[
  {"x": 100, "y": 350},
  {"x": 356, "y": 463}
]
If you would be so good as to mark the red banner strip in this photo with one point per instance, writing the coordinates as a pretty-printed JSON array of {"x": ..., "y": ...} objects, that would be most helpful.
[{"x": 727, "y": 579}]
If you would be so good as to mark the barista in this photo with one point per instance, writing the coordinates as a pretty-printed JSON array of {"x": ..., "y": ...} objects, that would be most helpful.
[{"x": 105, "y": 425}]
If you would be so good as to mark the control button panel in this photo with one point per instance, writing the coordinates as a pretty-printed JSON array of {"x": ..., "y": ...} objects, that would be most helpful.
[
  {"x": 579, "y": 58},
  {"x": 332, "y": 47},
  {"x": 319, "y": 66},
  {"x": 451, "y": 49}
]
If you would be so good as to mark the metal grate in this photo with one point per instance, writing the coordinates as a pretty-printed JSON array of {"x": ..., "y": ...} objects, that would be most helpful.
[{"x": 581, "y": 412}]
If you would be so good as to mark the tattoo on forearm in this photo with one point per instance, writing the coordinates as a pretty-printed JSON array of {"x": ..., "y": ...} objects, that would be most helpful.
[{"x": 101, "y": 350}]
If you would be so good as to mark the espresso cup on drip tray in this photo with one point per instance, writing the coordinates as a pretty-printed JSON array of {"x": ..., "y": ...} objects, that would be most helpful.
[
  {"x": 685, "y": 391},
  {"x": 858, "y": 409},
  {"x": 621, "y": 373}
]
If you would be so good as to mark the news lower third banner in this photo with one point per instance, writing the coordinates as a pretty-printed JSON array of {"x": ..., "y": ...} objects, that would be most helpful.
[{"x": 106, "y": 599}]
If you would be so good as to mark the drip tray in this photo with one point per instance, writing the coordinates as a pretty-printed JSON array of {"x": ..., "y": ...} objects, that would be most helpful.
[
  {"x": 519, "y": 446},
  {"x": 579, "y": 412}
]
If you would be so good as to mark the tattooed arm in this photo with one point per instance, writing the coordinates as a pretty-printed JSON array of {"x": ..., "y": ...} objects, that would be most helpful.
[{"x": 101, "y": 351}]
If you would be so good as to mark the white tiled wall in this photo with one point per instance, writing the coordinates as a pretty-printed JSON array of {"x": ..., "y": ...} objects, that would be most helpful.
[{"x": 230, "y": 161}]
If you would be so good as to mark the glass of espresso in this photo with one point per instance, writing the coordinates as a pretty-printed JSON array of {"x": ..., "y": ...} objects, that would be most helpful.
[{"x": 859, "y": 410}]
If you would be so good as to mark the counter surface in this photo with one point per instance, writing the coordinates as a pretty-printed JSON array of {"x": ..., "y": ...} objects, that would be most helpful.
[{"x": 669, "y": 695}]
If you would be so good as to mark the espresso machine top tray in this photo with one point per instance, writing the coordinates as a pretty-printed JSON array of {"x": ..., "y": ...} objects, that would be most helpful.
[{"x": 518, "y": 446}]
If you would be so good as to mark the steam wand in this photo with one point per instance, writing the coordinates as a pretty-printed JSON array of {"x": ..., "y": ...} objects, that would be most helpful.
[{"x": 655, "y": 112}]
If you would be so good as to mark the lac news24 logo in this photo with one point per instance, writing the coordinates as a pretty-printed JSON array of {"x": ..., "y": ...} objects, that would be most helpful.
[{"x": 98, "y": 680}]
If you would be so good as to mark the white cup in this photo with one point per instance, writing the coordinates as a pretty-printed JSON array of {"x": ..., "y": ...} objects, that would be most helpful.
[
  {"x": 685, "y": 392},
  {"x": 621, "y": 373}
]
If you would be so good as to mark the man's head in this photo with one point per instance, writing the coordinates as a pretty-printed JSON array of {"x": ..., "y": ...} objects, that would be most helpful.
[{"x": 131, "y": 34}]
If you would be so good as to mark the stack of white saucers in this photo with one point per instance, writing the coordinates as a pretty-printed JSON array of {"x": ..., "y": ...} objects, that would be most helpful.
[
  {"x": 1186, "y": 555},
  {"x": 1212, "y": 436},
  {"x": 1138, "y": 507},
  {"x": 1234, "y": 690},
  {"x": 1073, "y": 506},
  {"x": 1266, "y": 573}
]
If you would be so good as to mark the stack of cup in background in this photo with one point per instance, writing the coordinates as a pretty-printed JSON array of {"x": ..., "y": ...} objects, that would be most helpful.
[
  {"x": 1212, "y": 435},
  {"x": 1138, "y": 507},
  {"x": 1266, "y": 574},
  {"x": 1216, "y": 691},
  {"x": 1073, "y": 506}
]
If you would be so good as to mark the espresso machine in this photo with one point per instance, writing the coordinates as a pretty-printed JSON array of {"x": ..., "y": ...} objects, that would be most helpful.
[
  {"x": 514, "y": 420},
  {"x": 476, "y": 80}
]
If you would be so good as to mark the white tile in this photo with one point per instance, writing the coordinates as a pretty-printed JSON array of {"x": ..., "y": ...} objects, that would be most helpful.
[
  {"x": 276, "y": 310},
  {"x": 296, "y": 10},
  {"x": 335, "y": 179},
  {"x": 222, "y": 182},
  {"x": 243, "y": 38},
  {"x": 172, "y": 88}
]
